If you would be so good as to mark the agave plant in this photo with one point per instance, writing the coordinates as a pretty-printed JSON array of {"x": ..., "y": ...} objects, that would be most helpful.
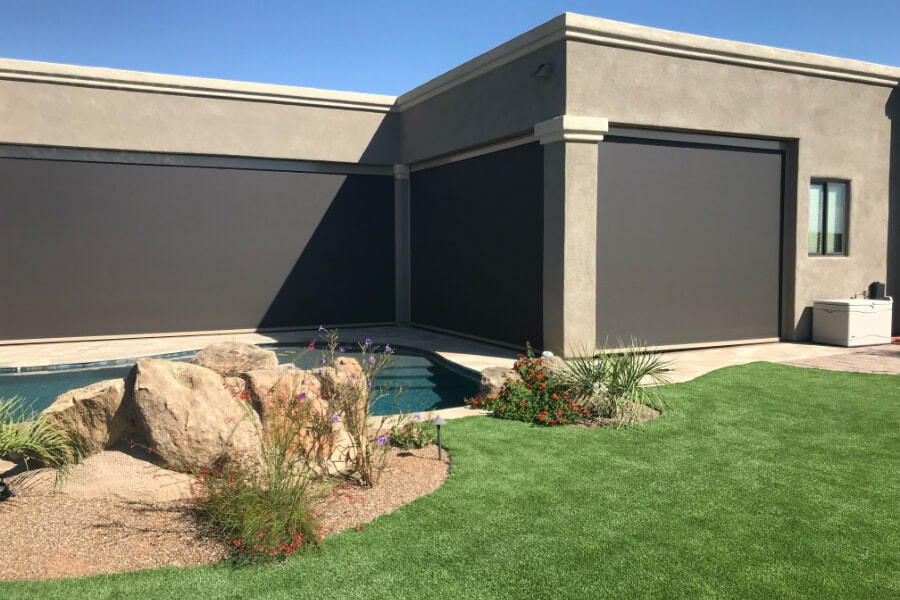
[
  {"x": 612, "y": 382},
  {"x": 29, "y": 436}
]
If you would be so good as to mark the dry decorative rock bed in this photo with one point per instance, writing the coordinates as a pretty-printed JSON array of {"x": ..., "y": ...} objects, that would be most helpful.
[
  {"x": 121, "y": 510},
  {"x": 116, "y": 513}
]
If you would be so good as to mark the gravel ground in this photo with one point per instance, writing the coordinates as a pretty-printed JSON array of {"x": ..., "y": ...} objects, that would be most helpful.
[{"x": 117, "y": 513}]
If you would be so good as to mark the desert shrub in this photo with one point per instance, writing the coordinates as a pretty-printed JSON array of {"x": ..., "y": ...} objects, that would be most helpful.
[
  {"x": 413, "y": 432},
  {"x": 264, "y": 510},
  {"x": 352, "y": 399},
  {"x": 540, "y": 397},
  {"x": 615, "y": 383},
  {"x": 258, "y": 520}
]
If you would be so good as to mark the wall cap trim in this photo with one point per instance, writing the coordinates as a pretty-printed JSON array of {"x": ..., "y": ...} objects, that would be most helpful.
[
  {"x": 604, "y": 32},
  {"x": 571, "y": 128},
  {"x": 116, "y": 79},
  {"x": 401, "y": 171}
]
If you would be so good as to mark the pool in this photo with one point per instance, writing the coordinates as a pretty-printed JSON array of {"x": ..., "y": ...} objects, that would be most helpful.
[{"x": 415, "y": 381}]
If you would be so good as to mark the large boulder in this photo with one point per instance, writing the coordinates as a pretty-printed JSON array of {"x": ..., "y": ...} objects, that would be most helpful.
[
  {"x": 274, "y": 391},
  {"x": 345, "y": 384},
  {"x": 350, "y": 368},
  {"x": 95, "y": 417},
  {"x": 187, "y": 414},
  {"x": 230, "y": 359},
  {"x": 493, "y": 378},
  {"x": 289, "y": 401}
]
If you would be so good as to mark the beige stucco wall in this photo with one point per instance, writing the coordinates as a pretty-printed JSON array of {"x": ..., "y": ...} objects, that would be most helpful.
[
  {"x": 830, "y": 112},
  {"x": 61, "y": 105},
  {"x": 452, "y": 114},
  {"x": 839, "y": 127}
]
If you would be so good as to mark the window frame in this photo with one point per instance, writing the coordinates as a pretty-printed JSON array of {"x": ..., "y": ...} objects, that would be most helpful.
[{"x": 823, "y": 220}]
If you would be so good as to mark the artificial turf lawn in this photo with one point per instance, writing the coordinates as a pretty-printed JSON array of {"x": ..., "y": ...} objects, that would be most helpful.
[{"x": 760, "y": 481}]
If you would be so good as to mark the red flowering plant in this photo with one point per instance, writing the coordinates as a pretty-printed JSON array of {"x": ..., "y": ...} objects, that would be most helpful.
[
  {"x": 535, "y": 396},
  {"x": 264, "y": 509}
]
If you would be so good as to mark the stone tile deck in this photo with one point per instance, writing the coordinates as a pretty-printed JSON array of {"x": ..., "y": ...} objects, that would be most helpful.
[
  {"x": 870, "y": 359},
  {"x": 470, "y": 354},
  {"x": 467, "y": 353}
]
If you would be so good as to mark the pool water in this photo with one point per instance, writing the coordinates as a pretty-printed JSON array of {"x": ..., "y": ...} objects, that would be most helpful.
[{"x": 412, "y": 381}]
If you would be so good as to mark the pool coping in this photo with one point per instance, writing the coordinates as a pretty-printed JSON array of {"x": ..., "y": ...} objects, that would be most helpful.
[{"x": 459, "y": 369}]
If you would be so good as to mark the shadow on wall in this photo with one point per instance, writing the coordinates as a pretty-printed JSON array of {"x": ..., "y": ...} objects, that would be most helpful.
[
  {"x": 477, "y": 246},
  {"x": 892, "y": 110},
  {"x": 345, "y": 271},
  {"x": 115, "y": 249}
]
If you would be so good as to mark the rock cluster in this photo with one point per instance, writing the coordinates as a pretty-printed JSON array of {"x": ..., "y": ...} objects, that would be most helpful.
[{"x": 223, "y": 403}]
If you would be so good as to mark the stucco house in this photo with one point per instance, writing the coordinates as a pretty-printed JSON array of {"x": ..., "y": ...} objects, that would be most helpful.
[{"x": 587, "y": 180}]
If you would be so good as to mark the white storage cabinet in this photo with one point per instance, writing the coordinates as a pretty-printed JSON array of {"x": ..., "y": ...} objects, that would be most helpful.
[{"x": 852, "y": 322}]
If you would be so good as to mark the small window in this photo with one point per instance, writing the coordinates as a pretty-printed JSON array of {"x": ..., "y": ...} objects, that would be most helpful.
[{"x": 828, "y": 204}]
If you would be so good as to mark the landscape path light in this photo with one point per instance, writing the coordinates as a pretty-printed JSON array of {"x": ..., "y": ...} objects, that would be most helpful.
[{"x": 437, "y": 422}]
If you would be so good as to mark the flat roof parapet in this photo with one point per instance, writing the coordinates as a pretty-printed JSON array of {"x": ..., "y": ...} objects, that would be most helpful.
[
  {"x": 605, "y": 32},
  {"x": 117, "y": 79}
]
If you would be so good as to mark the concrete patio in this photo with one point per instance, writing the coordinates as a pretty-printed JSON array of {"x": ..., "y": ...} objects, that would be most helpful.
[{"x": 464, "y": 352}]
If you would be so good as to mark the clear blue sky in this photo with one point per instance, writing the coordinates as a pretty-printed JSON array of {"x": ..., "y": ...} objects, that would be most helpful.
[{"x": 391, "y": 47}]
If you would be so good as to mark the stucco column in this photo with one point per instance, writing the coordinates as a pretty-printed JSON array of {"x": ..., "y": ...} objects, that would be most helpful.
[
  {"x": 401, "y": 245},
  {"x": 570, "y": 231}
]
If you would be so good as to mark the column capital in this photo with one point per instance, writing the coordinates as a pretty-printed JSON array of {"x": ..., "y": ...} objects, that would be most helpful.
[
  {"x": 401, "y": 171},
  {"x": 571, "y": 128}
]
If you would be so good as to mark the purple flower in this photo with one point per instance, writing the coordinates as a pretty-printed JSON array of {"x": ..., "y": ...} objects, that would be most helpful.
[
  {"x": 321, "y": 328},
  {"x": 301, "y": 396},
  {"x": 322, "y": 361},
  {"x": 335, "y": 419},
  {"x": 418, "y": 416},
  {"x": 340, "y": 348},
  {"x": 368, "y": 342},
  {"x": 319, "y": 372},
  {"x": 388, "y": 348},
  {"x": 372, "y": 359},
  {"x": 382, "y": 440},
  {"x": 12, "y": 494}
]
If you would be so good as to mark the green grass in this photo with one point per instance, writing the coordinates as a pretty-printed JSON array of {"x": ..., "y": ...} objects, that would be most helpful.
[{"x": 761, "y": 481}]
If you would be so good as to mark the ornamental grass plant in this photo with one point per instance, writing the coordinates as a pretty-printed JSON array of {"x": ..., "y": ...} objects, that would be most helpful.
[
  {"x": 264, "y": 511},
  {"x": 315, "y": 428},
  {"x": 615, "y": 383},
  {"x": 28, "y": 436}
]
